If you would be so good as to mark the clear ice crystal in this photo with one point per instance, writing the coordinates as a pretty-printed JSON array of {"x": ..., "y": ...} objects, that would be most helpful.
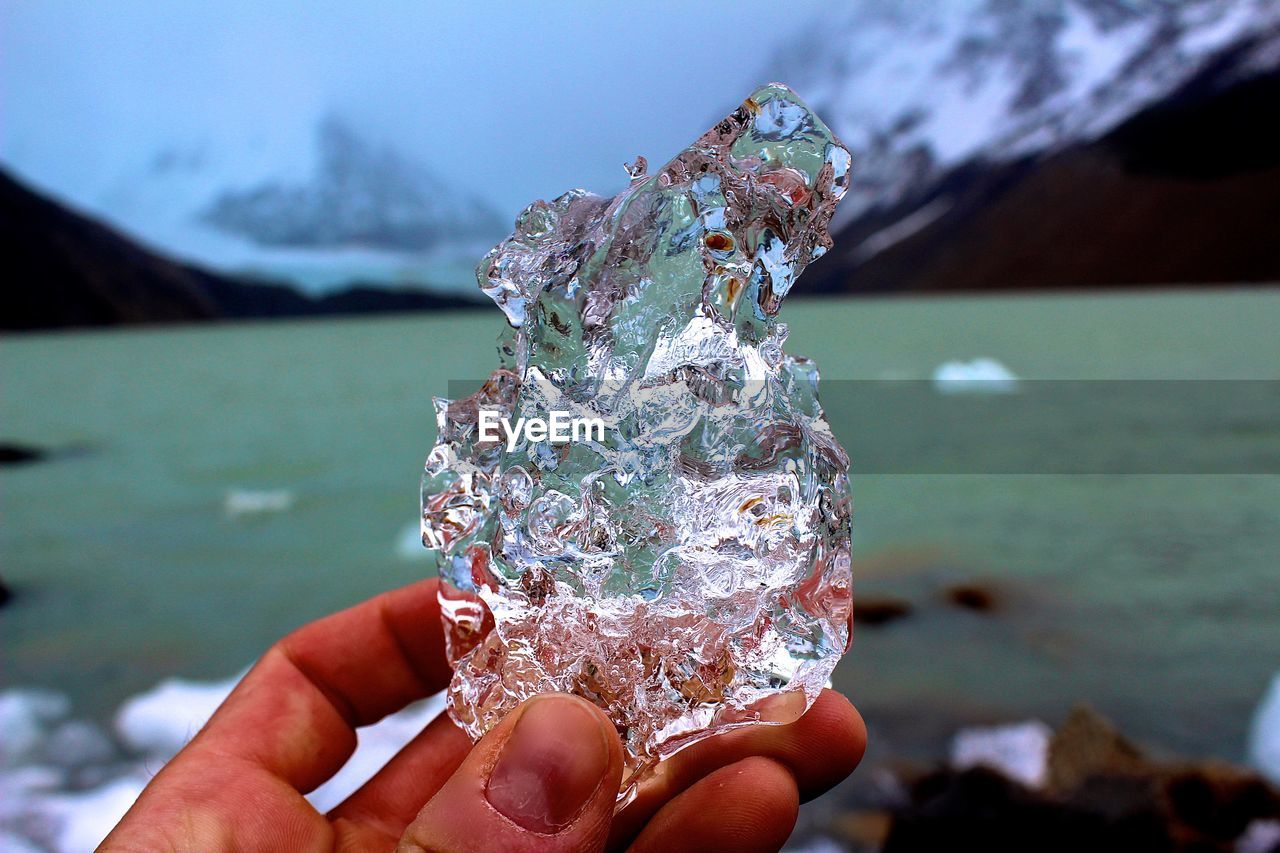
[{"x": 690, "y": 572}]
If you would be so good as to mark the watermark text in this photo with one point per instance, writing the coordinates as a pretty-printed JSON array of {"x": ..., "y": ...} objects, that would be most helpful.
[{"x": 559, "y": 428}]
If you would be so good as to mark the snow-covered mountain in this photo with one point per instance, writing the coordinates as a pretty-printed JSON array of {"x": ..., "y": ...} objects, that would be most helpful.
[
  {"x": 359, "y": 195},
  {"x": 916, "y": 89},
  {"x": 308, "y": 201}
]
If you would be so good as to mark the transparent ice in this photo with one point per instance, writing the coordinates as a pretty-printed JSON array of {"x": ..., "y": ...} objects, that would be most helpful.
[{"x": 690, "y": 572}]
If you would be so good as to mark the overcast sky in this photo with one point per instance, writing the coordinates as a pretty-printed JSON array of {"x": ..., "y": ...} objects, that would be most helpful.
[{"x": 518, "y": 100}]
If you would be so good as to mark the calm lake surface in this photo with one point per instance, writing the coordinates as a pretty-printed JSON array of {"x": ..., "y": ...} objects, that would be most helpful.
[{"x": 1154, "y": 597}]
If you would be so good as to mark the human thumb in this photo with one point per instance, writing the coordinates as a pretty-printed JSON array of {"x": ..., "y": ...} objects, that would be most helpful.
[{"x": 546, "y": 778}]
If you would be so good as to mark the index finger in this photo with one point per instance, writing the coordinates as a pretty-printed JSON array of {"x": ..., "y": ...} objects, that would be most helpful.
[{"x": 295, "y": 713}]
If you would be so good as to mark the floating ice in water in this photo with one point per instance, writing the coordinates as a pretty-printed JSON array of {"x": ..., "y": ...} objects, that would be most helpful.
[
  {"x": 694, "y": 562},
  {"x": 980, "y": 376},
  {"x": 1018, "y": 750},
  {"x": 409, "y": 543},
  {"x": 248, "y": 502},
  {"x": 1264, "y": 734}
]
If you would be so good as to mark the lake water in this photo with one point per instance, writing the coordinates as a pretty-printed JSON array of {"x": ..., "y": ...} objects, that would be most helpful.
[{"x": 214, "y": 487}]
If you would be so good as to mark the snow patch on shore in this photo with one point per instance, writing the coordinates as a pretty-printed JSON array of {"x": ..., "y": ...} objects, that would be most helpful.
[
  {"x": 1018, "y": 750},
  {"x": 65, "y": 782},
  {"x": 1264, "y": 734},
  {"x": 162, "y": 720}
]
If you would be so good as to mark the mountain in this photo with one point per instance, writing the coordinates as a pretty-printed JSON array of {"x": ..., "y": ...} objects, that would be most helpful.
[
  {"x": 307, "y": 199},
  {"x": 359, "y": 195},
  {"x": 68, "y": 270},
  {"x": 1049, "y": 142}
]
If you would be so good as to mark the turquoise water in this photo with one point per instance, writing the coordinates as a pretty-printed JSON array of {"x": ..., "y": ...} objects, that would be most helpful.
[{"x": 1153, "y": 597}]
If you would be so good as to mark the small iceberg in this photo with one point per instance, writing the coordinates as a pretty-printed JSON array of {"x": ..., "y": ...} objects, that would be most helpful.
[
  {"x": 1264, "y": 734},
  {"x": 1018, "y": 750},
  {"x": 409, "y": 543},
  {"x": 980, "y": 376},
  {"x": 240, "y": 502}
]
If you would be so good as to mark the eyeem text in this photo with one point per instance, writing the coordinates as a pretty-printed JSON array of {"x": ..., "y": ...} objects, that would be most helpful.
[{"x": 560, "y": 428}]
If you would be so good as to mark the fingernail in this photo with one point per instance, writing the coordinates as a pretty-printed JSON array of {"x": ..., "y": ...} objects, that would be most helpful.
[
  {"x": 550, "y": 765},
  {"x": 783, "y": 708}
]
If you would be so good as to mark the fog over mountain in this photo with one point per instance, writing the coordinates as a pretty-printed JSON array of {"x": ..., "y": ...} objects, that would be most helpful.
[
  {"x": 326, "y": 142},
  {"x": 322, "y": 144},
  {"x": 358, "y": 195}
]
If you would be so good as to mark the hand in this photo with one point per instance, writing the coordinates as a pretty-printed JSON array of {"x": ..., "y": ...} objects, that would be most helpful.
[{"x": 545, "y": 778}]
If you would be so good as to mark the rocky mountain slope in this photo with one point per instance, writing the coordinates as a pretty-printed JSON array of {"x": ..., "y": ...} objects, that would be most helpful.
[
  {"x": 1049, "y": 142},
  {"x": 64, "y": 269},
  {"x": 309, "y": 199}
]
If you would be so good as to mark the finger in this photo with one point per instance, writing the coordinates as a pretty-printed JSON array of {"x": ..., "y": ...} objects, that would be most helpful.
[
  {"x": 750, "y": 805},
  {"x": 220, "y": 806},
  {"x": 819, "y": 749},
  {"x": 296, "y": 711},
  {"x": 546, "y": 778},
  {"x": 289, "y": 725},
  {"x": 389, "y": 800}
]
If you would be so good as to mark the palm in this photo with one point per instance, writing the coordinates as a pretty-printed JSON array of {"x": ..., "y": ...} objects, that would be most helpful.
[{"x": 290, "y": 725}]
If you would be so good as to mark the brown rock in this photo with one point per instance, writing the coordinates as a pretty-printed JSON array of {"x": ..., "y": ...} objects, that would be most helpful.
[
  {"x": 1216, "y": 800},
  {"x": 979, "y": 809},
  {"x": 972, "y": 596},
  {"x": 1087, "y": 744},
  {"x": 873, "y": 610},
  {"x": 20, "y": 454},
  {"x": 864, "y": 829},
  {"x": 1103, "y": 794}
]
